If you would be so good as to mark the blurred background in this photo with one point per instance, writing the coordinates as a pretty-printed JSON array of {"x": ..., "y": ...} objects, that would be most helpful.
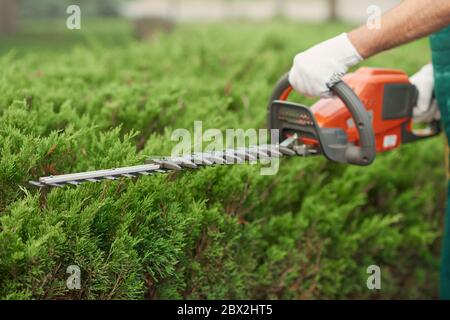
[{"x": 42, "y": 22}]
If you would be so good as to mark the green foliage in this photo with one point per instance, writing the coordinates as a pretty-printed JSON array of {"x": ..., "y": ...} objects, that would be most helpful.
[{"x": 308, "y": 232}]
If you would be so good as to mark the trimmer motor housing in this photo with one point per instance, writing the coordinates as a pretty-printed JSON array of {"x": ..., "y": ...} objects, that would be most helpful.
[{"x": 385, "y": 96}]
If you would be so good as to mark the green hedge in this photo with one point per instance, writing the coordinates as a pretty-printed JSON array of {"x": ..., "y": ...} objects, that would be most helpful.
[{"x": 308, "y": 232}]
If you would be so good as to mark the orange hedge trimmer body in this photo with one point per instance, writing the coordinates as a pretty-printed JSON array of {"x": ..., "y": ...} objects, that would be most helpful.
[{"x": 387, "y": 96}]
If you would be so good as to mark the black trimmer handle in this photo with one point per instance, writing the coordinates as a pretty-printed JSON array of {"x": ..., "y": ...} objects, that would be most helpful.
[{"x": 359, "y": 155}]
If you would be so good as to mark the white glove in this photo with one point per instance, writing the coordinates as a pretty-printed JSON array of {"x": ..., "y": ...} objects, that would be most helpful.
[
  {"x": 317, "y": 69},
  {"x": 426, "y": 109}
]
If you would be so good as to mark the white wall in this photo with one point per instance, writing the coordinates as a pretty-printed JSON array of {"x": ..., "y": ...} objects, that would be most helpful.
[{"x": 213, "y": 10}]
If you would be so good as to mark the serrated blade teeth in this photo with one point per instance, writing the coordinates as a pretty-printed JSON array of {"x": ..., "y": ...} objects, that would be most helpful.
[
  {"x": 128, "y": 175},
  {"x": 216, "y": 158},
  {"x": 243, "y": 153},
  {"x": 74, "y": 183},
  {"x": 36, "y": 184},
  {"x": 169, "y": 165},
  {"x": 56, "y": 185},
  {"x": 271, "y": 151},
  {"x": 231, "y": 157},
  {"x": 181, "y": 161},
  {"x": 188, "y": 164},
  {"x": 110, "y": 178},
  {"x": 96, "y": 176},
  {"x": 202, "y": 160},
  {"x": 220, "y": 157},
  {"x": 286, "y": 151},
  {"x": 176, "y": 163},
  {"x": 260, "y": 154}
]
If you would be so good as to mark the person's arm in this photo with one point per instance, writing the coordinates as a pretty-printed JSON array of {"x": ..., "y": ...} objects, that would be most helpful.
[
  {"x": 411, "y": 20},
  {"x": 315, "y": 70}
]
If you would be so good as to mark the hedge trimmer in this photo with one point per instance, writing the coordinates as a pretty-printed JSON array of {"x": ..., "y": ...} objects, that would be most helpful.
[{"x": 373, "y": 114}]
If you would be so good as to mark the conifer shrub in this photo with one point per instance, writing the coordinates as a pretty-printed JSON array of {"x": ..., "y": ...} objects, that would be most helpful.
[{"x": 309, "y": 232}]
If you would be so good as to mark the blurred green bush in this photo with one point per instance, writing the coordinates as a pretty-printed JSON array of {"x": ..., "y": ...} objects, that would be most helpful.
[{"x": 308, "y": 232}]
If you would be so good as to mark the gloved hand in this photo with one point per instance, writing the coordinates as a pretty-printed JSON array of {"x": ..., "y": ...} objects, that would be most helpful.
[
  {"x": 426, "y": 109},
  {"x": 316, "y": 70}
]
